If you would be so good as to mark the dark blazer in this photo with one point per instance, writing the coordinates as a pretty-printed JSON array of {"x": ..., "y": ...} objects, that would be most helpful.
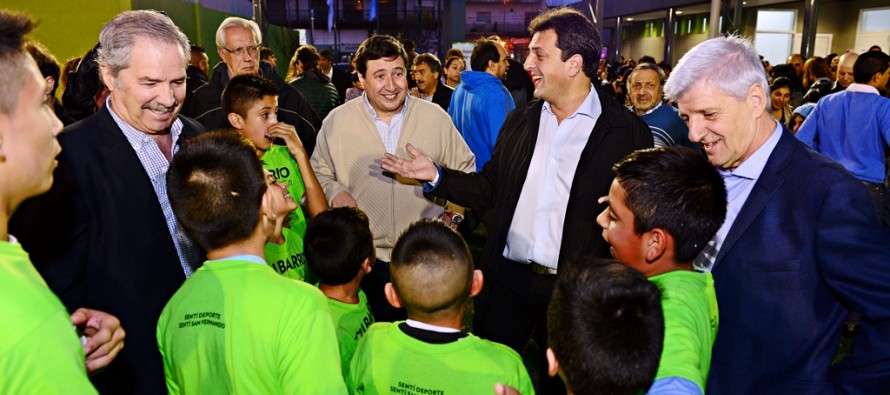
[
  {"x": 805, "y": 249},
  {"x": 617, "y": 133},
  {"x": 99, "y": 239},
  {"x": 442, "y": 95},
  {"x": 342, "y": 80}
]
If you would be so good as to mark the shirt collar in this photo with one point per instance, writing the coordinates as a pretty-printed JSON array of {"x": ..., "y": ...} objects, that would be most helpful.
[
  {"x": 651, "y": 110},
  {"x": 374, "y": 113},
  {"x": 136, "y": 138},
  {"x": 433, "y": 328},
  {"x": 862, "y": 88},
  {"x": 246, "y": 257},
  {"x": 753, "y": 166},
  {"x": 591, "y": 107}
]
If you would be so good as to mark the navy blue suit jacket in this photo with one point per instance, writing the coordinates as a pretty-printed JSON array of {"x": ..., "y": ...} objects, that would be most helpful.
[
  {"x": 100, "y": 240},
  {"x": 804, "y": 251}
]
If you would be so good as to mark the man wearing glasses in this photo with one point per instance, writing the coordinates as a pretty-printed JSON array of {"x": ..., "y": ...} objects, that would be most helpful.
[{"x": 238, "y": 45}]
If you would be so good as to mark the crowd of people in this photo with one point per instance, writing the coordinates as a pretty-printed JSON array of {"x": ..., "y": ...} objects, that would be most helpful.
[{"x": 708, "y": 228}]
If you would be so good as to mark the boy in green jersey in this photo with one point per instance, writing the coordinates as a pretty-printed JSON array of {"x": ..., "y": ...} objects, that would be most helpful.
[
  {"x": 664, "y": 205},
  {"x": 250, "y": 103},
  {"x": 432, "y": 277},
  {"x": 39, "y": 349},
  {"x": 235, "y": 326},
  {"x": 340, "y": 252},
  {"x": 605, "y": 328}
]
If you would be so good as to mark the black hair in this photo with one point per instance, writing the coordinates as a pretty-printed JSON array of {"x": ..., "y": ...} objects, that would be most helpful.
[
  {"x": 337, "y": 241},
  {"x": 308, "y": 56},
  {"x": 216, "y": 185},
  {"x": 46, "y": 63},
  {"x": 675, "y": 189},
  {"x": 431, "y": 268},
  {"x": 780, "y": 82},
  {"x": 430, "y": 60},
  {"x": 575, "y": 35},
  {"x": 868, "y": 64},
  {"x": 13, "y": 28},
  {"x": 484, "y": 51},
  {"x": 379, "y": 46},
  {"x": 243, "y": 91},
  {"x": 605, "y": 327}
]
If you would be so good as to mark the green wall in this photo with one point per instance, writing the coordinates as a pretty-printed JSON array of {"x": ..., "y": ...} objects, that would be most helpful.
[{"x": 64, "y": 26}]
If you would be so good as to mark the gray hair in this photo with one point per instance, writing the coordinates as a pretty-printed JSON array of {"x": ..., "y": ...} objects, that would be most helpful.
[
  {"x": 728, "y": 63},
  {"x": 234, "y": 21},
  {"x": 118, "y": 37},
  {"x": 648, "y": 66}
]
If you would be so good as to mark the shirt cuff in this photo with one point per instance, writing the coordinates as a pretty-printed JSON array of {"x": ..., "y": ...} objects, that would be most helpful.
[{"x": 429, "y": 186}]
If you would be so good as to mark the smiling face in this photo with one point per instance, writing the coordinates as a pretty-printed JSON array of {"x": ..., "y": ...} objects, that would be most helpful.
[
  {"x": 241, "y": 53},
  {"x": 726, "y": 127},
  {"x": 386, "y": 85},
  {"x": 645, "y": 90},
  {"x": 28, "y": 138},
  {"x": 549, "y": 72},
  {"x": 282, "y": 202},
  {"x": 779, "y": 98},
  {"x": 617, "y": 222},
  {"x": 845, "y": 70},
  {"x": 148, "y": 94}
]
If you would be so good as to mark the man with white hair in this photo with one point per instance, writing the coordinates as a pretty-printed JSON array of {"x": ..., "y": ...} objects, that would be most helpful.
[
  {"x": 800, "y": 247},
  {"x": 105, "y": 236},
  {"x": 238, "y": 43},
  {"x": 843, "y": 80}
]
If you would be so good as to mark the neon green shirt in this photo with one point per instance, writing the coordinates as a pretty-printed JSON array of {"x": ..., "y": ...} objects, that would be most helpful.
[
  {"x": 235, "y": 326},
  {"x": 690, "y": 325},
  {"x": 351, "y": 321},
  {"x": 284, "y": 168},
  {"x": 387, "y": 361},
  {"x": 287, "y": 259},
  {"x": 39, "y": 349}
]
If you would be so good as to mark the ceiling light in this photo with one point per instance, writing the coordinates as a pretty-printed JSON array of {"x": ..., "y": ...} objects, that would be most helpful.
[
  {"x": 629, "y": 19},
  {"x": 679, "y": 12}
]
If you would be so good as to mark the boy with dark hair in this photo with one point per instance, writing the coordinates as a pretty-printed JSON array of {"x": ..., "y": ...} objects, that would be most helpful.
[
  {"x": 432, "y": 277},
  {"x": 234, "y": 325},
  {"x": 250, "y": 103},
  {"x": 340, "y": 251},
  {"x": 664, "y": 205},
  {"x": 605, "y": 328}
]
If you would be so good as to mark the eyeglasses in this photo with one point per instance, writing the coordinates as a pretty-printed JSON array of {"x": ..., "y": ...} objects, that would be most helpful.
[{"x": 252, "y": 50}]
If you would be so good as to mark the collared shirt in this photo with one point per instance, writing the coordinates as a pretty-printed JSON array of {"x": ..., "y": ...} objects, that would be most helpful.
[
  {"x": 739, "y": 184},
  {"x": 862, "y": 88},
  {"x": 651, "y": 110},
  {"x": 389, "y": 133},
  {"x": 156, "y": 165},
  {"x": 535, "y": 235}
]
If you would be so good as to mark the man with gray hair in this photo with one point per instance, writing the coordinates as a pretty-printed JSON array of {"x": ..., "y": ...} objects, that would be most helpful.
[
  {"x": 800, "y": 247},
  {"x": 238, "y": 43},
  {"x": 105, "y": 235},
  {"x": 646, "y": 90}
]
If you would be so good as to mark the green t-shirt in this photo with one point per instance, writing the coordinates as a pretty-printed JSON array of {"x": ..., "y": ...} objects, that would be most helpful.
[
  {"x": 387, "y": 361},
  {"x": 235, "y": 326},
  {"x": 690, "y": 324},
  {"x": 284, "y": 168},
  {"x": 39, "y": 349},
  {"x": 287, "y": 259},
  {"x": 351, "y": 321}
]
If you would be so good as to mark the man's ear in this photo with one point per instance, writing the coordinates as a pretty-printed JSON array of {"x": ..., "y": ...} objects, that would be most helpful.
[
  {"x": 391, "y": 295},
  {"x": 366, "y": 265},
  {"x": 758, "y": 99},
  {"x": 107, "y": 78},
  {"x": 476, "y": 285},
  {"x": 576, "y": 65},
  {"x": 235, "y": 120},
  {"x": 552, "y": 363},
  {"x": 655, "y": 243}
]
